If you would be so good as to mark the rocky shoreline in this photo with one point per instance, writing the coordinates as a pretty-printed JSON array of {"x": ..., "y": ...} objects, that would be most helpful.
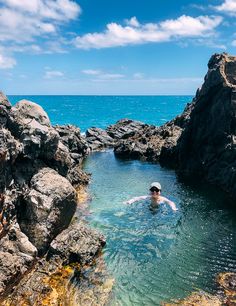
[{"x": 41, "y": 171}]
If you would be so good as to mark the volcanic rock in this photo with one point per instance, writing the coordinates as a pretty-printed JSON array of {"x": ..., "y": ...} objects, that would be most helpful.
[
  {"x": 48, "y": 207},
  {"x": 71, "y": 137},
  {"x": 78, "y": 244},
  {"x": 98, "y": 139},
  {"x": 17, "y": 255},
  {"x": 30, "y": 124},
  {"x": 207, "y": 147}
]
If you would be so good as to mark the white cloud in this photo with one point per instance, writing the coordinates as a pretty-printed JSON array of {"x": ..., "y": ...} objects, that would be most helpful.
[
  {"x": 22, "y": 21},
  {"x": 133, "y": 22},
  {"x": 52, "y": 74},
  {"x": 228, "y": 7},
  {"x": 61, "y": 10},
  {"x": 111, "y": 76},
  {"x": 6, "y": 62},
  {"x": 136, "y": 33},
  {"x": 91, "y": 72},
  {"x": 101, "y": 75},
  {"x": 138, "y": 75}
]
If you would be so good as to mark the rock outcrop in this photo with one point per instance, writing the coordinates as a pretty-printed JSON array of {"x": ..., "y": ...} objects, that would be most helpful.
[
  {"x": 78, "y": 244},
  {"x": 17, "y": 256},
  {"x": 207, "y": 146},
  {"x": 40, "y": 169},
  {"x": 47, "y": 208},
  {"x": 98, "y": 139}
]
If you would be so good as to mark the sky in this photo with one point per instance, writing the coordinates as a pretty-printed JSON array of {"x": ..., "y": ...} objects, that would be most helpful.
[{"x": 111, "y": 47}]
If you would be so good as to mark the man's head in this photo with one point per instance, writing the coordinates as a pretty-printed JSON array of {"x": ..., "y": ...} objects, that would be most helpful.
[{"x": 155, "y": 187}]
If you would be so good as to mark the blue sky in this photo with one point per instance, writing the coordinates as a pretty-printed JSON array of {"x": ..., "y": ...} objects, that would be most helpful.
[{"x": 111, "y": 46}]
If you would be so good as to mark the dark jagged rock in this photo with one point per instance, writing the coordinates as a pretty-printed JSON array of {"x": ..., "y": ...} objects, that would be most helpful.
[
  {"x": 98, "y": 139},
  {"x": 148, "y": 142},
  {"x": 10, "y": 148},
  {"x": 71, "y": 137},
  {"x": 125, "y": 128},
  {"x": 47, "y": 208},
  {"x": 5, "y": 106},
  {"x": 77, "y": 177},
  {"x": 17, "y": 255},
  {"x": 207, "y": 147},
  {"x": 30, "y": 124},
  {"x": 77, "y": 243}
]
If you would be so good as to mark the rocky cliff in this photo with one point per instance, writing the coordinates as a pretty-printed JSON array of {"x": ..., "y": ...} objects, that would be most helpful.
[{"x": 207, "y": 146}]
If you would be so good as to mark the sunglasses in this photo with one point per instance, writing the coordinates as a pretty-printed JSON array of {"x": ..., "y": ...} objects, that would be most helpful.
[{"x": 154, "y": 189}]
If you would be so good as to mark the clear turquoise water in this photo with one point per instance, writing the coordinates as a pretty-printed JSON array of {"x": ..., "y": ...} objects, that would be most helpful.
[
  {"x": 153, "y": 257},
  {"x": 160, "y": 256},
  {"x": 100, "y": 111}
]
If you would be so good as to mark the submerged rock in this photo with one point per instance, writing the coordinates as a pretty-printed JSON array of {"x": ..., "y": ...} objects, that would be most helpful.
[{"x": 198, "y": 299}]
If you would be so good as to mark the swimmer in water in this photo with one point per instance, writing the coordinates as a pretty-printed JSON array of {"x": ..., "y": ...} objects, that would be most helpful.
[{"x": 155, "y": 196}]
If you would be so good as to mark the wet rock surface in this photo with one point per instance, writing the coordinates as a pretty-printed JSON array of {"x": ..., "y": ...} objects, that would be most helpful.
[
  {"x": 198, "y": 299},
  {"x": 225, "y": 296}
]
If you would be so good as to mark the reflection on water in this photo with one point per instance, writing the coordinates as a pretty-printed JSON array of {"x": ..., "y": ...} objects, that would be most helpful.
[{"x": 162, "y": 255}]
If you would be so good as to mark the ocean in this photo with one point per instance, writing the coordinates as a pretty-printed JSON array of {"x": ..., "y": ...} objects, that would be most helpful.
[{"x": 101, "y": 111}]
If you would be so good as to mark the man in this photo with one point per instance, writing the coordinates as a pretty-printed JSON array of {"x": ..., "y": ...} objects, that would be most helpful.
[{"x": 155, "y": 196}]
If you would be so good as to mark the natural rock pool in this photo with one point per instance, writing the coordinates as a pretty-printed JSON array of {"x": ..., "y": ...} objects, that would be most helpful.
[{"x": 163, "y": 255}]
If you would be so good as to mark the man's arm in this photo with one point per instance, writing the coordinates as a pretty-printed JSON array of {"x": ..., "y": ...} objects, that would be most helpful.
[
  {"x": 171, "y": 204},
  {"x": 136, "y": 199}
]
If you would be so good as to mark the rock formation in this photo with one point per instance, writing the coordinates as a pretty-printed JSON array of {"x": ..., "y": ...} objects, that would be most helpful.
[
  {"x": 207, "y": 147},
  {"x": 40, "y": 168}
]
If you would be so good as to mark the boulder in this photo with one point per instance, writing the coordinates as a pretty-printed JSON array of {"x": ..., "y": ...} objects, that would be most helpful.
[
  {"x": 30, "y": 124},
  {"x": 17, "y": 255},
  {"x": 5, "y": 106},
  {"x": 47, "y": 208},
  {"x": 98, "y": 139},
  {"x": 77, "y": 244}
]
